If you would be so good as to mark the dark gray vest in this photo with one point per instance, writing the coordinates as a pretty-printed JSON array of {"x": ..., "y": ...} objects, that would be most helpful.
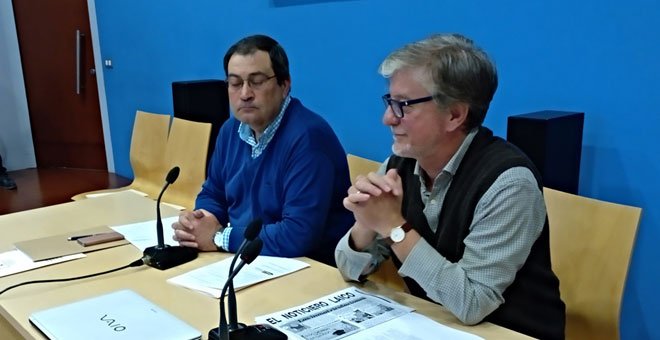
[{"x": 532, "y": 304}]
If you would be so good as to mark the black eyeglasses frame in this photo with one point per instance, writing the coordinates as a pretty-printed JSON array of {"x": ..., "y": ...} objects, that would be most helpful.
[{"x": 398, "y": 105}]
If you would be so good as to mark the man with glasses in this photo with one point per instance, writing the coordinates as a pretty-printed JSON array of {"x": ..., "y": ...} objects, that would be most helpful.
[
  {"x": 459, "y": 210},
  {"x": 274, "y": 159}
]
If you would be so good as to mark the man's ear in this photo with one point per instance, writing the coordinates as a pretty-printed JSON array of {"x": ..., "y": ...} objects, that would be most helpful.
[
  {"x": 286, "y": 86},
  {"x": 458, "y": 115}
]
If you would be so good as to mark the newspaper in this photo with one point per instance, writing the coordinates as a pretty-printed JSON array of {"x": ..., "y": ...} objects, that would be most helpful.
[{"x": 336, "y": 315}]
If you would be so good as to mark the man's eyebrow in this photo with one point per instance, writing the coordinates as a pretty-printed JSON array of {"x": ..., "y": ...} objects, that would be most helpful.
[{"x": 258, "y": 73}]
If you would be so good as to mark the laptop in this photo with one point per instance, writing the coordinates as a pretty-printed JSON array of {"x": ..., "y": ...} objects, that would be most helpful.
[{"x": 123, "y": 314}]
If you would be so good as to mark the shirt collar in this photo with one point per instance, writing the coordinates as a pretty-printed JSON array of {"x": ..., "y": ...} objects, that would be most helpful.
[
  {"x": 455, "y": 161},
  {"x": 247, "y": 135}
]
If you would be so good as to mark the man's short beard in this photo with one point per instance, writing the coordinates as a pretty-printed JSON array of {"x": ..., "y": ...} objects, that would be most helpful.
[{"x": 401, "y": 150}]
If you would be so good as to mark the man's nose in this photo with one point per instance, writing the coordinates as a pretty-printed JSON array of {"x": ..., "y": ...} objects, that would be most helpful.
[
  {"x": 389, "y": 118},
  {"x": 246, "y": 91}
]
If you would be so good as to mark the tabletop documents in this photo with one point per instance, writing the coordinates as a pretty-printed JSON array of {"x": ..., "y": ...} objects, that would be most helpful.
[
  {"x": 143, "y": 234},
  {"x": 352, "y": 313},
  {"x": 210, "y": 279}
]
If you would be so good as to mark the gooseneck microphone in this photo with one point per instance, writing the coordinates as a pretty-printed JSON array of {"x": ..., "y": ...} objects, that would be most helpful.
[
  {"x": 251, "y": 232},
  {"x": 250, "y": 253},
  {"x": 171, "y": 177},
  {"x": 163, "y": 256}
]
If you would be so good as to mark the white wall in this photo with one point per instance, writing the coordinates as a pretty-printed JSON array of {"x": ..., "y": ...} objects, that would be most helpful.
[
  {"x": 100, "y": 82},
  {"x": 16, "y": 145}
]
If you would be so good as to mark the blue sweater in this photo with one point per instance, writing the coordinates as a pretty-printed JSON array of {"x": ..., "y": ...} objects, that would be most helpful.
[{"x": 296, "y": 186}]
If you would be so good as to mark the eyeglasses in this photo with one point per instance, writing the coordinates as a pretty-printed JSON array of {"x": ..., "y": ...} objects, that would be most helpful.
[
  {"x": 254, "y": 81},
  {"x": 398, "y": 105}
]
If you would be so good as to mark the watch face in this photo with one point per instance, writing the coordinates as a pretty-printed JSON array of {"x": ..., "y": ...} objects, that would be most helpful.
[{"x": 397, "y": 234}]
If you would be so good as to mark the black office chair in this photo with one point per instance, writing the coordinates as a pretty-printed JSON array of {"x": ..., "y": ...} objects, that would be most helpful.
[{"x": 202, "y": 101}]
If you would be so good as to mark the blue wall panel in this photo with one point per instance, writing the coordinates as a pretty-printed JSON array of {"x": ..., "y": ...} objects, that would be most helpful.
[{"x": 597, "y": 57}]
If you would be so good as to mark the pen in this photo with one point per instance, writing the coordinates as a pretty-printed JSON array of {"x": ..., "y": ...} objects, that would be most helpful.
[{"x": 73, "y": 238}]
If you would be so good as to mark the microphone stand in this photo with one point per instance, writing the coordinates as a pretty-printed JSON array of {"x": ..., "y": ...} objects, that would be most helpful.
[
  {"x": 251, "y": 232},
  {"x": 163, "y": 256},
  {"x": 252, "y": 250},
  {"x": 252, "y": 332},
  {"x": 159, "y": 221}
]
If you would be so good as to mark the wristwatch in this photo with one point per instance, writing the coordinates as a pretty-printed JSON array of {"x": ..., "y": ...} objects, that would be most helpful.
[{"x": 398, "y": 234}]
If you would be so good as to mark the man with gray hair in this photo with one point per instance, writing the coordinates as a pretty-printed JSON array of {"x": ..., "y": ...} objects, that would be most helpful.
[{"x": 460, "y": 211}]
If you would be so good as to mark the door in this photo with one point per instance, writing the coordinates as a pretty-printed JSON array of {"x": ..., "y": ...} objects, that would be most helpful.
[{"x": 58, "y": 66}]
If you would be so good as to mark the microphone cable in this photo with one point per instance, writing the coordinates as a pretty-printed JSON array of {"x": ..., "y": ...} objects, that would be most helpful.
[{"x": 135, "y": 263}]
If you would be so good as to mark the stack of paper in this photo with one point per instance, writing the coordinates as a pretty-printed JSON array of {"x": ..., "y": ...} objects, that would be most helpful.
[
  {"x": 15, "y": 261},
  {"x": 101, "y": 194},
  {"x": 210, "y": 279},
  {"x": 144, "y": 234}
]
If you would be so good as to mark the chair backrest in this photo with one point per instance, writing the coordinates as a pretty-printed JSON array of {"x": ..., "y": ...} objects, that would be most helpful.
[
  {"x": 205, "y": 101},
  {"x": 156, "y": 147},
  {"x": 387, "y": 273},
  {"x": 148, "y": 144},
  {"x": 187, "y": 146},
  {"x": 360, "y": 166},
  {"x": 590, "y": 242}
]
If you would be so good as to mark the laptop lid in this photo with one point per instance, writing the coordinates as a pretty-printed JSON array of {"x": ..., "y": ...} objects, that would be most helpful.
[{"x": 123, "y": 314}]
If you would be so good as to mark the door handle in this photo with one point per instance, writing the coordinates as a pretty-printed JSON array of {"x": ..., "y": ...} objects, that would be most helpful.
[{"x": 79, "y": 37}]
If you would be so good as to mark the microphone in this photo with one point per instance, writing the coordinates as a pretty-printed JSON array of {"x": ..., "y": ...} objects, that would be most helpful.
[
  {"x": 251, "y": 252},
  {"x": 171, "y": 177},
  {"x": 163, "y": 256},
  {"x": 251, "y": 232},
  {"x": 252, "y": 332}
]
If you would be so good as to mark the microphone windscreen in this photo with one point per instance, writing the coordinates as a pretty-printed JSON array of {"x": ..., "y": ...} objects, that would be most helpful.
[
  {"x": 172, "y": 175},
  {"x": 252, "y": 250},
  {"x": 253, "y": 229}
]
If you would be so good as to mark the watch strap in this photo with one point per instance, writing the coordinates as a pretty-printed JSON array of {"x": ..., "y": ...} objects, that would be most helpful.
[{"x": 406, "y": 226}]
